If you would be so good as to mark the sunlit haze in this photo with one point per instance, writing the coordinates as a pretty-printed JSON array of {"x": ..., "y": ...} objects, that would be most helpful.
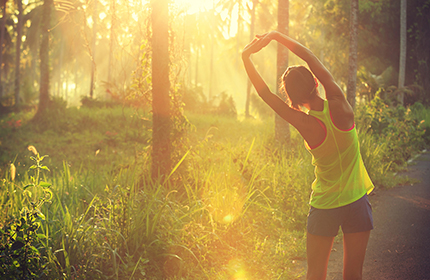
[{"x": 194, "y": 6}]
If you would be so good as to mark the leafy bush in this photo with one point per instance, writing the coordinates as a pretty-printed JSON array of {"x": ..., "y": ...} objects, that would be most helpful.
[
  {"x": 234, "y": 206},
  {"x": 20, "y": 242},
  {"x": 261, "y": 107},
  {"x": 197, "y": 102},
  {"x": 396, "y": 128}
]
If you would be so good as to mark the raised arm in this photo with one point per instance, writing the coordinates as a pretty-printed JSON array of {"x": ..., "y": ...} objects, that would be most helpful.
[
  {"x": 332, "y": 89},
  {"x": 257, "y": 81},
  {"x": 277, "y": 104}
]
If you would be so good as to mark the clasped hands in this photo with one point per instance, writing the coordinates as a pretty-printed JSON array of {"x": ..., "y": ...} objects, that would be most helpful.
[{"x": 259, "y": 42}]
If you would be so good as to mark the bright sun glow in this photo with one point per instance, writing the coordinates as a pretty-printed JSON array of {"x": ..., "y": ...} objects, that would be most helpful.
[{"x": 194, "y": 6}]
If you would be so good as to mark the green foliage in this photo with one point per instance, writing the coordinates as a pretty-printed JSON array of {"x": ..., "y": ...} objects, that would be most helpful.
[
  {"x": 261, "y": 107},
  {"x": 89, "y": 102},
  {"x": 235, "y": 204},
  {"x": 397, "y": 130},
  {"x": 20, "y": 250},
  {"x": 100, "y": 137},
  {"x": 197, "y": 102},
  {"x": 20, "y": 258}
]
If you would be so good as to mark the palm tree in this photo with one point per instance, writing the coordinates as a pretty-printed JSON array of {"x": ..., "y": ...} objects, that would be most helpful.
[
  {"x": 2, "y": 35},
  {"x": 161, "y": 123},
  {"x": 282, "y": 128},
  {"x": 18, "y": 53},
  {"x": 352, "y": 73},
  {"x": 32, "y": 41},
  {"x": 251, "y": 36},
  {"x": 402, "y": 63},
  {"x": 44, "y": 58},
  {"x": 93, "y": 49},
  {"x": 111, "y": 41}
]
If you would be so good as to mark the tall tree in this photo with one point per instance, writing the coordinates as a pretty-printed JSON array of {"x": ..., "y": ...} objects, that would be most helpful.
[
  {"x": 44, "y": 58},
  {"x": 403, "y": 39},
  {"x": 420, "y": 50},
  {"x": 353, "y": 43},
  {"x": 161, "y": 122},
  {"x": 111, "y": 40},
  {"x": 18, "y": 53},
  {"x": 282, "y": 128},
  {"x": 93, "y": 49},
  {"x": 251, "y": 35},
  {"x": 2, "y": 35}
]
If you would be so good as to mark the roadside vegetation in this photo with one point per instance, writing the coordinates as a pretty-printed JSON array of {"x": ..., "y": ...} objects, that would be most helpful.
[{"x": 234, "y": 206}]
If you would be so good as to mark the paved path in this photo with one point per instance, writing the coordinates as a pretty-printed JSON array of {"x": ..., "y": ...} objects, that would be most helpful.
[{"x": 399, "y": 245}]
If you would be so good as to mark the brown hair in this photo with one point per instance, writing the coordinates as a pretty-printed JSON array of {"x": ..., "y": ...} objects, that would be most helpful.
[{"x": 299, "y": 85}]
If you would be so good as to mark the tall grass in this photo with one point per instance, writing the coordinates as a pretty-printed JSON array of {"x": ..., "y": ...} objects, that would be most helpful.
[{"x": 234, "y": 206}]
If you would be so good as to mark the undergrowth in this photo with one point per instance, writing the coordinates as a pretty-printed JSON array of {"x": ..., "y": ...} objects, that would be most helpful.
[{"x": 234, "y": 206}]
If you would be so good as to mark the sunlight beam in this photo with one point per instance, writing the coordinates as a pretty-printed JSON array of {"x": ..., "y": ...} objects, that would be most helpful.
[{"x": 194, "y": 6}]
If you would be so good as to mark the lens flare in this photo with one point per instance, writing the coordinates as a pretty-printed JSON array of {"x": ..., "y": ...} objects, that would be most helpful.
[
  {"x": 225, "y": 197},
  {"x": 237, "y": 269}
]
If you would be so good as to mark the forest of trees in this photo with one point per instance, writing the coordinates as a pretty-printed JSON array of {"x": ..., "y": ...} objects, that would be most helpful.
[
  {"x": 163, "y": 162},
  {"x": 101, "y": 49},
  {"x": 114, "y": 51}
]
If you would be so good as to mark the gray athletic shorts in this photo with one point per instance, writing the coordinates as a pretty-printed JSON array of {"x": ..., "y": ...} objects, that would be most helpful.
[{"x": 352, "y": 218}]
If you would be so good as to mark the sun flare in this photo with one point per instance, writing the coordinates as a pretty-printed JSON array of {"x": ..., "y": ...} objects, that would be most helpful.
[{"x": 194, "y": 6}]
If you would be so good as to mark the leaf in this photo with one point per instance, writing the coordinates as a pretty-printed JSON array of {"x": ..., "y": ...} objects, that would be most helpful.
[
  {"x": 45, "y": 184},
  {"x": 58, "y": 251},
  {"x": 41, "y": 236},
  {"x": 33, "y": 167},
  {"x": 17, "y": 245},
  {"x": 44, "y": 168},
  {"x": 49, "y": 192},
  {"x": 29, "y": 185},
  {"x": 41, "y": 158},
  {"x": 34, "y": 249},
  {"x": 28, "y": 193},
  {"x": 40, "y": 215}
]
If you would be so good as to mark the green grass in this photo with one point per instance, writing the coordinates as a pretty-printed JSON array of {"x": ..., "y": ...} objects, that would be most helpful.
[{"x": 234, "y": 208}]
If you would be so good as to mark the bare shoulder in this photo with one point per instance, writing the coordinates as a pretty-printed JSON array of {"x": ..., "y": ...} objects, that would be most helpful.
[
  {"x": 341, "y": 112},
  {"x": 311, "y": 130}
]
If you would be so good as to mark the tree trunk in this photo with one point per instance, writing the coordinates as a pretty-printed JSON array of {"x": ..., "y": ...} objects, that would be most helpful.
[
  {"x": 44, "y": 59},
  {"x": 161, "y": 127},
  {"x": 59, "y": 73},
  {"x": 18, "y": 53},
  {"x": 251, "y": 36},
  {"x": 196, "y": 79},
  {"x": 76, "y": 76},
  {"x": 2, "y": 31},
  {"x": 66, "y": 86},
  {"x": 403, "y": 39},
  {"x": 353, "y": 42},
  {"x": 211, "y": 68},
  {"x": 282, "y": 128},
  {"x": 93, "y": 50},
  {"x": 239, "y": 29},
  {"x": 112, "y": 42}
]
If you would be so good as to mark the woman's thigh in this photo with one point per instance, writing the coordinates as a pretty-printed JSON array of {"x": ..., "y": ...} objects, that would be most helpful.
[
  {"x": 318, "y": 250},
  {"x": 354, "y": 251}
]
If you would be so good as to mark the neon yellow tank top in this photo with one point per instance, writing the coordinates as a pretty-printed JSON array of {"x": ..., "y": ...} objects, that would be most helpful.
[{"x": 341, "y": 177}]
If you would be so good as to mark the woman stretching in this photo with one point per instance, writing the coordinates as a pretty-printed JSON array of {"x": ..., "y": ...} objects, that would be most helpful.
[{"x": 339, "y": 192}]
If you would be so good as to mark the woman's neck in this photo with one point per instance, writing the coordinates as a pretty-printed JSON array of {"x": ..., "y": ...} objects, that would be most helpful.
[{"x": 316, "y": 104}]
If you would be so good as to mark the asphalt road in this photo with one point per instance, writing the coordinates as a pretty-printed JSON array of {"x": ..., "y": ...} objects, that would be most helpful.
[{"x": 399, "y": 245}]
